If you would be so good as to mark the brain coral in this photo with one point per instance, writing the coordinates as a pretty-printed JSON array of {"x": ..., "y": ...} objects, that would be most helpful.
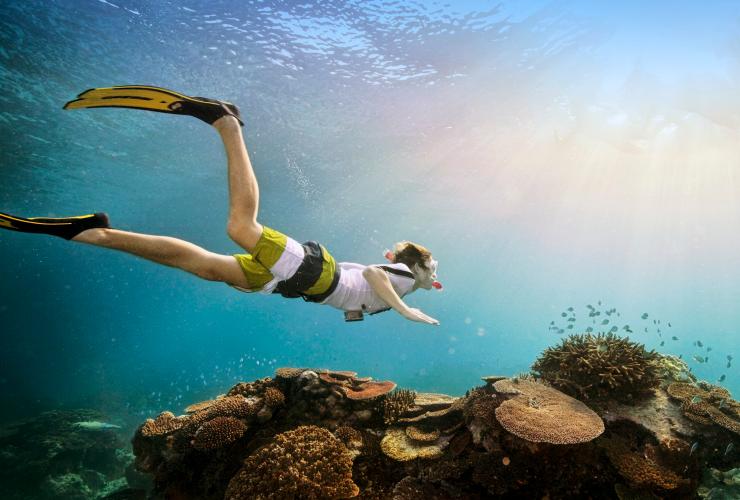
[
  {"x": 218, "y": 432},
  {"x": 602, "y": 365},
  {"x": 307, "y": 462},
  {"x": 538, "y": 413}
]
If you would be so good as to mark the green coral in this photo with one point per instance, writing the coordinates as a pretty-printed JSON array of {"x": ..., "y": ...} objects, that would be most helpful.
[
  {"x": 599, "y": 366},
  {"x": 673, "y": 369}
]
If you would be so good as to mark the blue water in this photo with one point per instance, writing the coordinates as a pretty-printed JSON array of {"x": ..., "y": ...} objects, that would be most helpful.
[{"x": 550, "y": 156}]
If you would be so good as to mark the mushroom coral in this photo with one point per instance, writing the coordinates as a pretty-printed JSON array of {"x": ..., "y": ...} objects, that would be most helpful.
[
  {"x": 306, "y": 462},
  {"x": 538, "y": 413}
]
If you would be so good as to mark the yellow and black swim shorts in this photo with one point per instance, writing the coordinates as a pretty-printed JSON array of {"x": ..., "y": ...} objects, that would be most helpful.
[{"x": 279, "y": 264}]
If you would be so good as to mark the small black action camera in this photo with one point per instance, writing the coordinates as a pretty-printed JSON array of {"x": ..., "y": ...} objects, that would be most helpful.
[{"x": 353, "y": 316}]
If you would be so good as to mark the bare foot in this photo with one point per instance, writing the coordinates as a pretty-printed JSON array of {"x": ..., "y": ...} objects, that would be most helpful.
[{"x": 226, "y": 122}]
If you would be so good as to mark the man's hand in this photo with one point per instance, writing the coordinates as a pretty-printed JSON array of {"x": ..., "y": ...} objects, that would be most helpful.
[{"x": 414, "y": 314}]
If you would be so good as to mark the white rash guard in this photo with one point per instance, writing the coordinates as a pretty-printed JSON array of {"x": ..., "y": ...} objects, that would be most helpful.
[{"x": 353, "y": 292}]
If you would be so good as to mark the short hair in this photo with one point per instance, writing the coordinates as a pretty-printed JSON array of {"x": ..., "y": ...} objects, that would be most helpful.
[{"x": 411, "y": 254}]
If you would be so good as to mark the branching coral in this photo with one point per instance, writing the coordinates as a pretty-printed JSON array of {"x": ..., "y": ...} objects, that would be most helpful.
[
  {"x": 602, "y": 365},
  {"x": 394, "y": 404},
  {"x": 307, "y": 462}
]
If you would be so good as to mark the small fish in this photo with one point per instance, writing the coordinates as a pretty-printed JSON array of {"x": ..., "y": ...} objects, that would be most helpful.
[
  {"x": 729, "y": 449},
  {"x": 552, "y": 322},
  {"x": 561, "y": 331},
  {"x": 698, "y": 342},
  {"x": 571, "y": 319},
  {"x": 669, "y": 324},
  {"x": 645, "y": 329},
  {"x": 698, "y": 359},
  {"x": 589, "y": 330},
  {"x": 94, "y": 425},
  {"x": 729, "y": 357},
  {"x": 570, "y": 327},
  {"x": 655, "y": 322},
  {"x": 694, "y": 447},
  {"x": 680, "y": 356},
  {"x": 722, "y": 404},
  {"x": 709, "y": 349},
  {"x": 570, "y": 309},
  {"x": 674, "y": 338},
  {"x": 721, "y": 378},
  {"x": 644, "y": 316},
  {"x": 695, "y": 400},
  {"x": 605, "y": 322},
  {"x": 590, "y": 306},
  {"x": 613, "y": 329},
  {"x": 599, "y": 302},
  {"x": 662, "y": 343},
  {"x": 563, "y": 314}
]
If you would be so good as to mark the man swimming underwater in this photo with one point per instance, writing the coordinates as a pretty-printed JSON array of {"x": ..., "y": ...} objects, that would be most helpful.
[{"x": 275, "y": 263}]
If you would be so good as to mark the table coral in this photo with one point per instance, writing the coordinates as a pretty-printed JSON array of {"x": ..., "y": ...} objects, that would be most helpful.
[
  {"x": 369, "y": 390},
  {"x": 544, "y": 414},
  {"x": 307, "y": 462},
  {"x": 706, "y": 404}
]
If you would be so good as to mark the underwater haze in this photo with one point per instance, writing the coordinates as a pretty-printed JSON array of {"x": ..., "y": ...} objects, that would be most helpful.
[{"x": 552, "y": 155}]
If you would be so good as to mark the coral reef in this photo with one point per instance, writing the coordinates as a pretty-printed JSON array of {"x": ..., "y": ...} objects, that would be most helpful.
[
  {"x": 324, "y": 469},
  {"x": 599, "y": 366},
  {"x": 310, "y": 433},
  {"x": 49, "y": 457}
]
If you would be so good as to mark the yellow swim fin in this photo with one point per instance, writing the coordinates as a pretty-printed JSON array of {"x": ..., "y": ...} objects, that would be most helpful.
[{"x": 156, "y": 99}]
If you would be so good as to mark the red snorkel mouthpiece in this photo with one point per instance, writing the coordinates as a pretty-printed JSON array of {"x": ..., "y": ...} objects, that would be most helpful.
[{"x": 437, "y": 285}]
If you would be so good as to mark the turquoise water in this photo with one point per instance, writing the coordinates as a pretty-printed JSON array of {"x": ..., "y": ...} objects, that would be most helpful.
[{"x": 550, "y": 155}]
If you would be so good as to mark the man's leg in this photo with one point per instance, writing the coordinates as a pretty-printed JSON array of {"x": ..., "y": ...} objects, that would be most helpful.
[
  {"x": 170, "y": 252},
  {"x": 244, "y": 195}
]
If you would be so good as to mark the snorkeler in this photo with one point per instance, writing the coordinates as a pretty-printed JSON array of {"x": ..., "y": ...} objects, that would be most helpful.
[{"x": 275, "y": 263}]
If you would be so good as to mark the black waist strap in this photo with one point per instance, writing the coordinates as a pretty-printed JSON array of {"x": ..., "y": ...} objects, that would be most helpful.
[
  {"x": 307, "y": 274},
  {"x": 323, "y": 296}
]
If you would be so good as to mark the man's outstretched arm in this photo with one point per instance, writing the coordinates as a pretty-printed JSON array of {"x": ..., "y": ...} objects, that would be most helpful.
[{"x": 379, "y": 282}]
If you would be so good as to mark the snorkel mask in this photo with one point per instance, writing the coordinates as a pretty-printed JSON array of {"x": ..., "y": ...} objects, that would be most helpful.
[{"x": 431, "y": 273}]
